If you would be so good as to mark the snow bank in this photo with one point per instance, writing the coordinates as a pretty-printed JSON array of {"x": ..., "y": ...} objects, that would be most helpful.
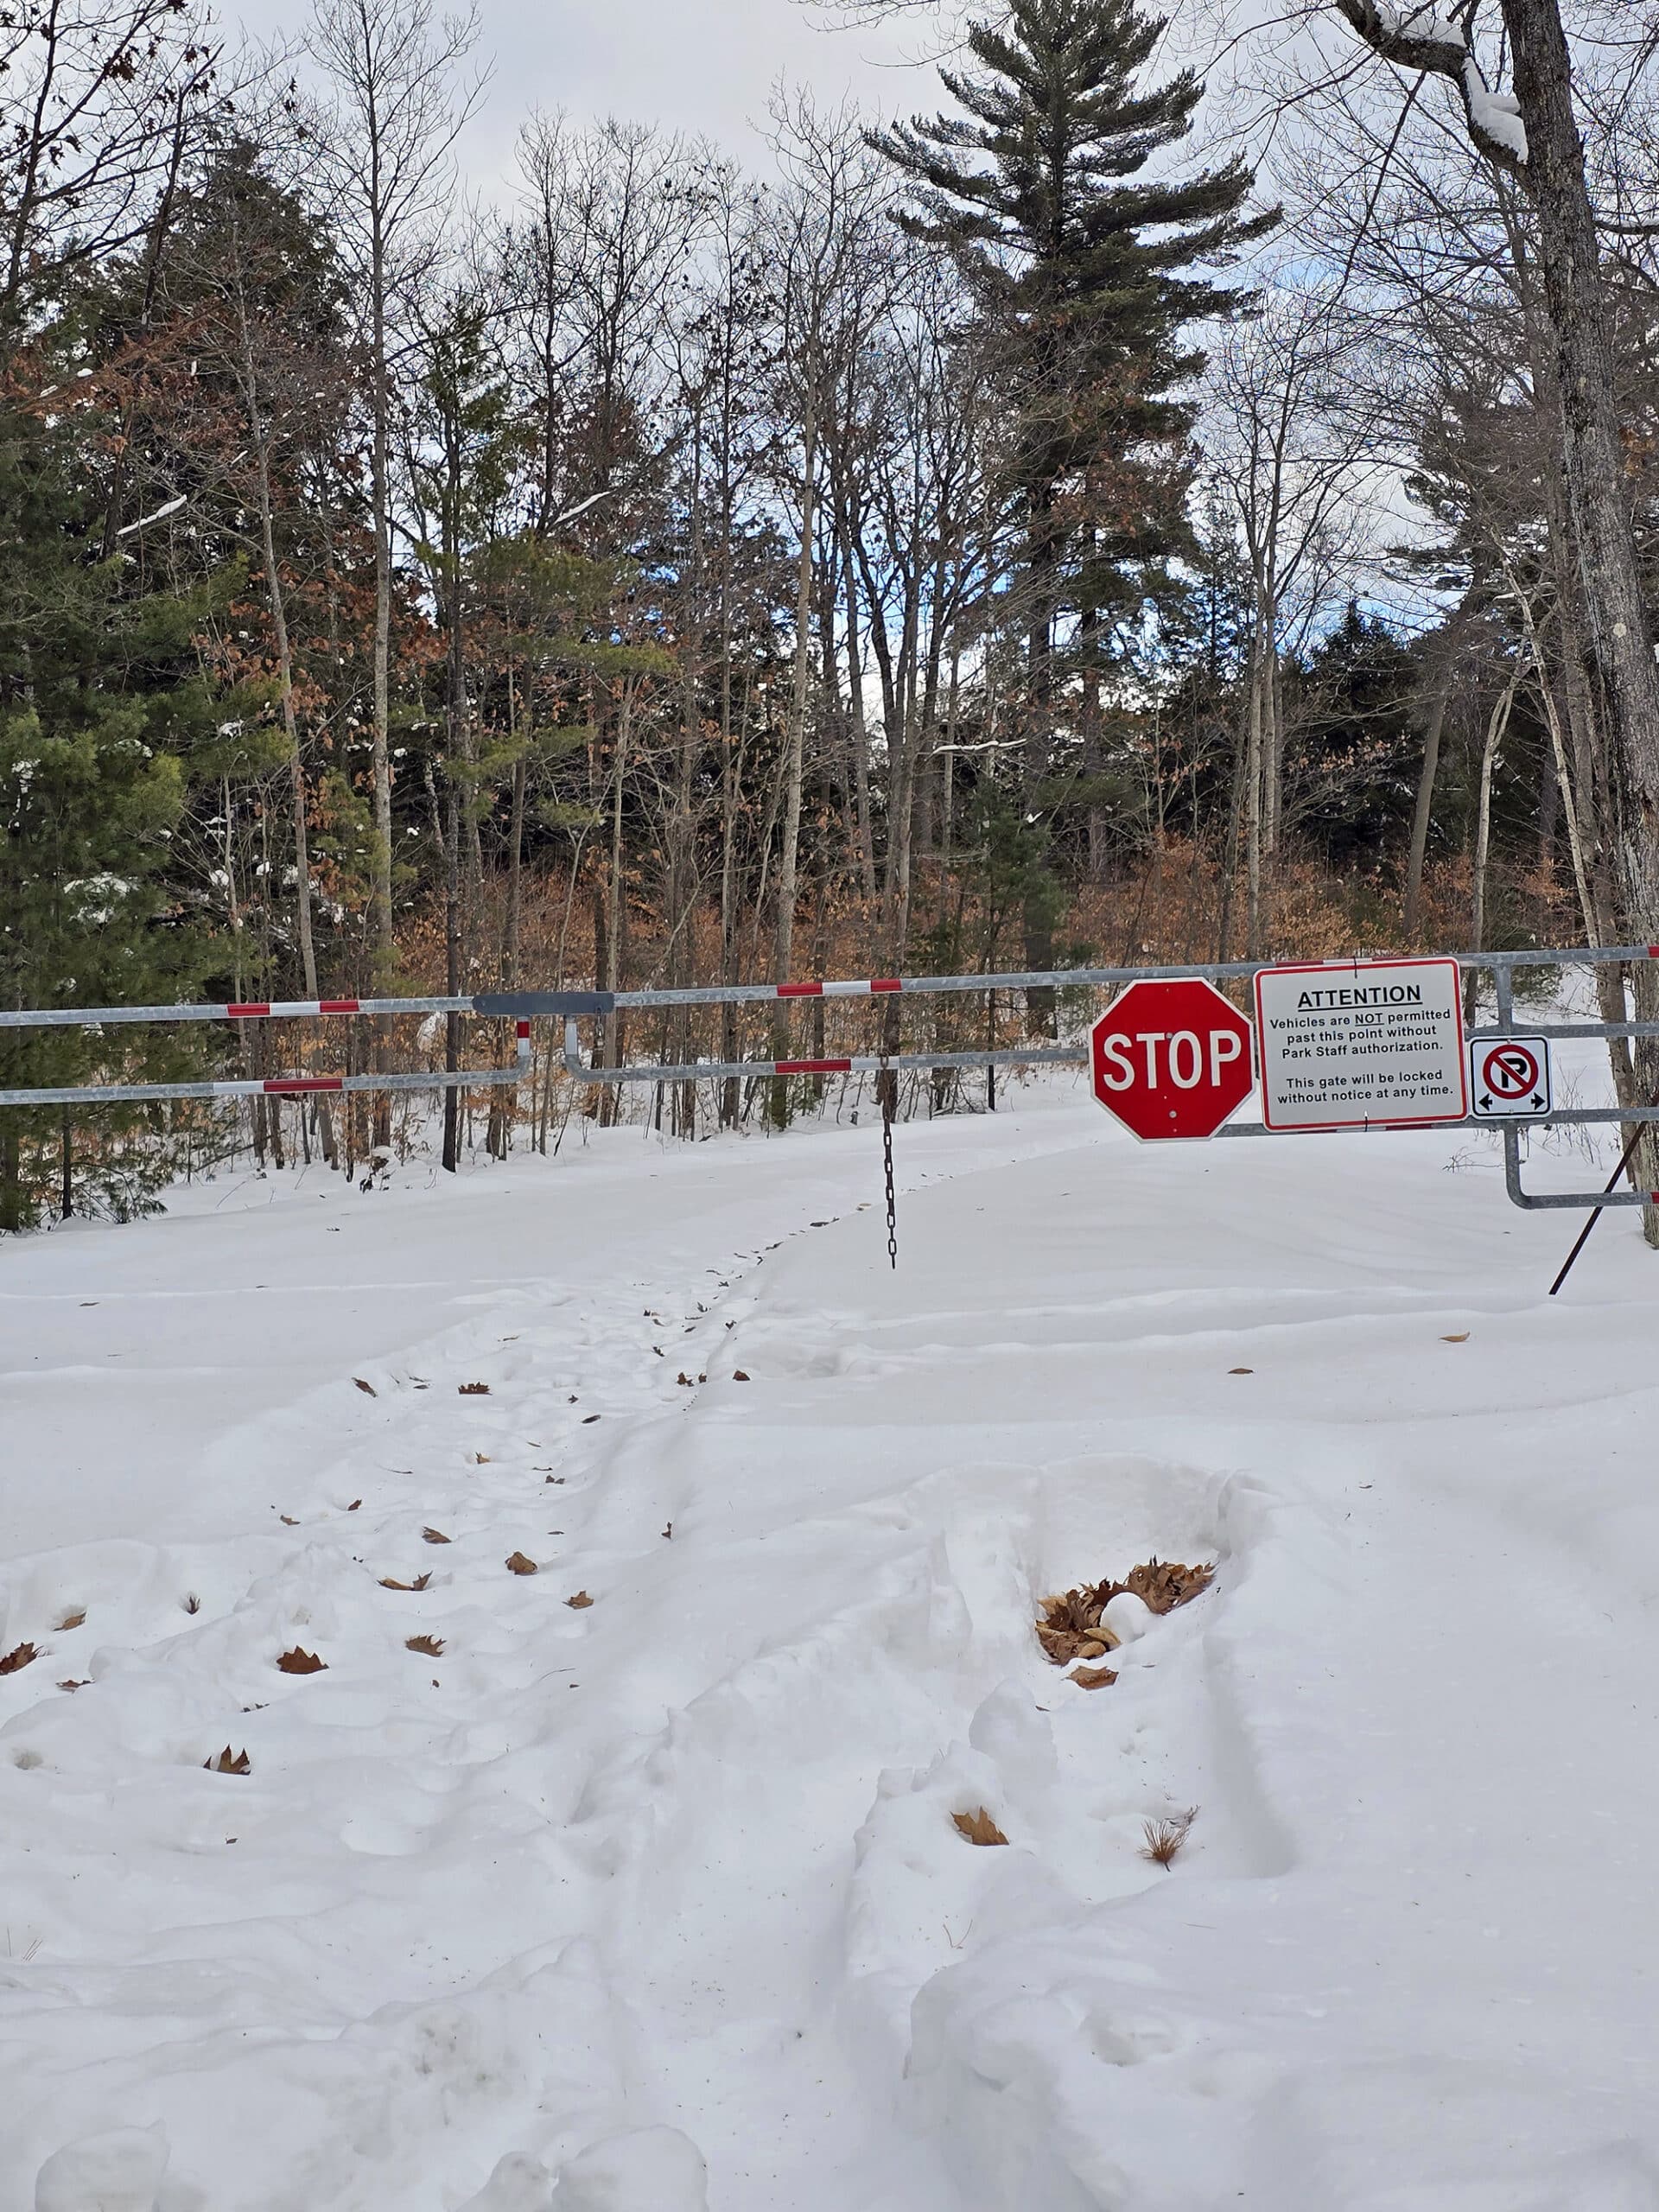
[{"x": 660, "y": 1903}]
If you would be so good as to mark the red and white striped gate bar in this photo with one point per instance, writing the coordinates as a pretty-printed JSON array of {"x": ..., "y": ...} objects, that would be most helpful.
[
  {"x": 280, "y": 1086},
  {"x": 97, "y": 1017}
]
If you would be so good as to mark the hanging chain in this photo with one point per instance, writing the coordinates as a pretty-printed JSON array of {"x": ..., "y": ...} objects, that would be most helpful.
[
  {"x": 888, "y": 1083},
  {"x": 885, "y": 1086}
]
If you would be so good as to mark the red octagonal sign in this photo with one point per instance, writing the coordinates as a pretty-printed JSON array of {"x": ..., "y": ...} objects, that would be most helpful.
[{"x": 1171, "y": 1060}]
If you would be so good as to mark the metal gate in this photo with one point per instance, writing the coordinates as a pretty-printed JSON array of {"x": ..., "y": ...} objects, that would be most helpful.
[{"x": 573, "y": 1007}]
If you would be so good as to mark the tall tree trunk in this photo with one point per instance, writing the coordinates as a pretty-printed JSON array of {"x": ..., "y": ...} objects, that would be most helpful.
[
  {"x": 858, "y": 732},
  {"x": 1423, "y": 812},
  {"x": 1619, "y": 641},
  {"x": 1042, "y": 1011},
  {"x": 1254, "y": 825},
  {"x": 1496, "y": 725},
  {"x": 789, "y": 856}
]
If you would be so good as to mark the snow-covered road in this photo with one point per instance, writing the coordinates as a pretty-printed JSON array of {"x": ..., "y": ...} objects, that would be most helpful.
[{"x": 615, "y": 1893}]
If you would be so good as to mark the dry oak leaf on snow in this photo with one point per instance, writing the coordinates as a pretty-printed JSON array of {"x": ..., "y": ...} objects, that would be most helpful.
[
  {"x": 519, "y": 1565},
  {"x": 229, "y": 1762},
  {"x": 1092, "y": 1678},
  {"x": 1072, "y": 1627},
  {"x": 978, "y": 1827},
  {"x": 430, "y": 1647},
  {"x": 20, "y": 1655},
  {"x": 71, "y": 1620},
  {"x": 473, "y": 1389},
  {"x": 367, "y": 1388},
  {"x": 390, "y": 1582},
  {"x": 580, "y": 1601},
  {"x": 1162, "y": 1584},
  {"x": 301, "y": 1662},
  {"x": 434, "y": 1537}
]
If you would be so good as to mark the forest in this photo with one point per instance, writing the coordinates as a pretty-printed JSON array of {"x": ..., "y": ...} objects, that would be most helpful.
[{"x": 1155, "y": 508}]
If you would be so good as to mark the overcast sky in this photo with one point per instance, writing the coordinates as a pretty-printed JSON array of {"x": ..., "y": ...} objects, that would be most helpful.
[{"x": 692, "y": 65}]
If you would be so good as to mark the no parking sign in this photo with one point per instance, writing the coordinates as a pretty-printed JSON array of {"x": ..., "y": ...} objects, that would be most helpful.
[{"x": 1509, "y": 1079}]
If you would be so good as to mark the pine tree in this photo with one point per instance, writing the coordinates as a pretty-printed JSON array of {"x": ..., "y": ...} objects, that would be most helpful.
[
  {"x": 1084, "y": 274},
  {"x": 91, "y": 789}
]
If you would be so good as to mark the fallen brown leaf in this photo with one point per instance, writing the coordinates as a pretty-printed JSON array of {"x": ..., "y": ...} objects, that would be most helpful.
[
  {"x": 390, "y": 1582},
  {"x": 1162, "y": 1584},
  {"x": 287, "y": 1521},
  {"x": 368, "y": 1388},
  {"x": 76, "y": 1686},
  {"x": 1462, "y": 1338},
  {"x": 520, "y": 1565},
  {"x": 20, "y": 1655},
  {"x": 434, "y": 1537},
  {"x": 301, "y": 1662},
  {"x": 738, "y": 1375},
  {"x": 69, "y": 1621},
  {"x": 1072, "y": 1627},
  {"x": 354, "y": 1504},
  {"x": 685, "y": 1379},
  {"x": 978, "y": 1827},
  {"x": 1092, "y": 1678},
  {"x": 430, "y": 1646},
  {"x": 229, "y": 1762},
  {"x": 473, "y": 1389},
  {"x": 480, "y": 1459},
  {"x": 580, "y": 1601},
  {"x": 1240, "y": 1370}
]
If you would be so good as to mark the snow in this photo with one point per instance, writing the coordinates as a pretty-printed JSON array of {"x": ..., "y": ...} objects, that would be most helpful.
[
  {"x": 96, "y": 897},
  {"x": 157, "y": 514},
  {"x": 1497, "y": 114},
  {"x": 656, "y": 1904}
]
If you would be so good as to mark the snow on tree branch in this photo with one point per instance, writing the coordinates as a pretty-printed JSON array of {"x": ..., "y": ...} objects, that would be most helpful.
[{"x": 1415, "y": 34}]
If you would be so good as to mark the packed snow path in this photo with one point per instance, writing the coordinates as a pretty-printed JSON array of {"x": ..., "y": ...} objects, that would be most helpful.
[{"x": 604, "y": 1898}]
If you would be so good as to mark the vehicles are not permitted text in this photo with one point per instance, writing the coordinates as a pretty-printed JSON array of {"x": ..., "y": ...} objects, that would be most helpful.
[{"x": 1368, "y": 1041}]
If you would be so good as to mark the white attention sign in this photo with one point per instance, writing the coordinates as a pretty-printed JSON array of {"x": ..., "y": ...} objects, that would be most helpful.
[{"x": 1346, "y": 1047}]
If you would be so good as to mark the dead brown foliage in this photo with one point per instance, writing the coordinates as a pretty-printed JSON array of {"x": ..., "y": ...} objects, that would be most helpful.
[
  {"x": 434, "y": 1537},
  {"x": 390, "y": 1582},
  {"x": 1071, "y": 1628},
  {"x": 1166, "y": 1839},
  {"x": 978, "y": 1826},
  {"x": 1093, "y": 1678},
  {"x": 519, "y": 1565},
  {"x": 430, "y": 1647},
  {"x": 301, "y": 1662},
  {"x": 473, "y": 1389},
  {"x": 20, "y": 1655},
  {"x": 580, "y": 1601},
  {"x": 229, "y": 1762}
]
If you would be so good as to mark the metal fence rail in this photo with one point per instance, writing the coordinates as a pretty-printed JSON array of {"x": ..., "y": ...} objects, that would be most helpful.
[
  {"x": 572, "y": 1007},
  {"x": 290, "y": 1086}
]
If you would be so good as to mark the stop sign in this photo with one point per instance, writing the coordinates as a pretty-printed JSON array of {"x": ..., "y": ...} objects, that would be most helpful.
[{"x": 1171, "y": 1060}]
